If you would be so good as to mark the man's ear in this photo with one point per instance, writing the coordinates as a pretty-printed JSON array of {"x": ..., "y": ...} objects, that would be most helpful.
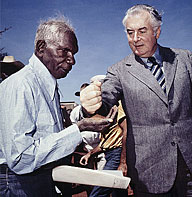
[
  {"x": 40, "y": 47},
  {"x": 158, "y": 32}
]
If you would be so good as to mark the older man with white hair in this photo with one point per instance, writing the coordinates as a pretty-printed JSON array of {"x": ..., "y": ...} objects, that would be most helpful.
[
  {"x": 154, "y": 84},
  {"x": 32, "y": 138}
]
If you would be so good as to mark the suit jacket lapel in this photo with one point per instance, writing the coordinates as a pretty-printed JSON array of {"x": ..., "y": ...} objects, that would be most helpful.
[
  {"x": 137, "y": 68},
  {"x": 169, "y": 65}
]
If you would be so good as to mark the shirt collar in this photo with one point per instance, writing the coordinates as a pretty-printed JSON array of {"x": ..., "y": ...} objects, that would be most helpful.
[
  {"x": 156, "y": 55},
  {"x": 44, "y": 76}
]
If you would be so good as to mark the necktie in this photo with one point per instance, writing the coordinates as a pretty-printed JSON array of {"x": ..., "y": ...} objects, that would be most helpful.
[{"x": 157, "y": 72}]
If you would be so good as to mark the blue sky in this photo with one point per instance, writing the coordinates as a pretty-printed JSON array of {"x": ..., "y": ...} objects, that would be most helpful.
[{"x": 101, "y": 37}]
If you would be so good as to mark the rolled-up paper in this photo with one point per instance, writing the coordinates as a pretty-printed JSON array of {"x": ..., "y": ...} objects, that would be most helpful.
[{"x": 86, "y": 176}]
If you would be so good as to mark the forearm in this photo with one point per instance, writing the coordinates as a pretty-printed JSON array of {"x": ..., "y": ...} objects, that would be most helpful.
[
  {"x": 96, "y": 150},
  {"x": 25, "y": 154},
  {"x": 124, "y": 147},
  {"x": 123, "y": 162},
  {"x": 123, "y": 156}
]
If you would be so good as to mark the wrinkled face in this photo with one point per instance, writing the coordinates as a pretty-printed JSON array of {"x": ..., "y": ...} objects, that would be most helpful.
[
  {"x": 141, "y": 37},
  {"x": 59, "y": 58}
]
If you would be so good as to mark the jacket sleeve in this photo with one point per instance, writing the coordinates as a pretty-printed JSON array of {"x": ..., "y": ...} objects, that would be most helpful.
[{"x": 111, "y": 90}]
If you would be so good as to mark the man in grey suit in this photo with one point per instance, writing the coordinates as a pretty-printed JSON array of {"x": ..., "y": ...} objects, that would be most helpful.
[{"x": 155, "y": 86}]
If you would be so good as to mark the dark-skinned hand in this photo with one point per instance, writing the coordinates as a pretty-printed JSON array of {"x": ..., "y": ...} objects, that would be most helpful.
[{"x": 98, "y": 123}]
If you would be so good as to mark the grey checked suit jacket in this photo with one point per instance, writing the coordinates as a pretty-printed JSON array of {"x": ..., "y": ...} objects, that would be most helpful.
[{"x": 157, "y": 123}]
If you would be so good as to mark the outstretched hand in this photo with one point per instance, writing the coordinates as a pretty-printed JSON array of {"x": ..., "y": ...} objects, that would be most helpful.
[{"x": 98, "y": 123}]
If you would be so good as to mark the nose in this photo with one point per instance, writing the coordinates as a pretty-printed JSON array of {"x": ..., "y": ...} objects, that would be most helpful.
[
  {"x": 70, "y": 58},
  {"x": 136, "y": 37}
]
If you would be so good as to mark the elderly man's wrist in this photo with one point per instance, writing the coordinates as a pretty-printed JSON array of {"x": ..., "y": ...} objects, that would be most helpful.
[
  {"x": 80, "y": 125},
  {"x": 85, "y": 113}
]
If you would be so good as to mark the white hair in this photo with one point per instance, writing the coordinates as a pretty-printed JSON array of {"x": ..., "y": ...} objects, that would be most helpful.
[
  {"x": 156, "y": 17},
  {"x": 52, "y": 29}
]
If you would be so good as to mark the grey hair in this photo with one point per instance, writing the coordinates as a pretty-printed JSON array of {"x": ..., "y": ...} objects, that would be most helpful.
[
  {"x": 156, "y": 17},
  {"x": 52, "y": 29}
]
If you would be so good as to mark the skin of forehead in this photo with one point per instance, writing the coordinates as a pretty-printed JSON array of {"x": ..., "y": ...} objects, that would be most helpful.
[
  {"x": 68, "y": 39},
  {"x": 138, "y": 20}
]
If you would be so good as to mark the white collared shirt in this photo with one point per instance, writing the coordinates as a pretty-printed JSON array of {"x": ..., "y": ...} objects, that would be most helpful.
[
  {"x": 31, "y": 131},
  {"x": 157, "y": 57}
]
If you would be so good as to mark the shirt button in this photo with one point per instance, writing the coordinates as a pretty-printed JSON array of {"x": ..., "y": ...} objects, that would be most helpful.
[{"x": 173, "y": 143}]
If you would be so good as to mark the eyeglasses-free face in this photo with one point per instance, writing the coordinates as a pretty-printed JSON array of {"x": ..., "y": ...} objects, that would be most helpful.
[
  {"x": 59, "y": 57},
  {"x": 141, "y": 36}
]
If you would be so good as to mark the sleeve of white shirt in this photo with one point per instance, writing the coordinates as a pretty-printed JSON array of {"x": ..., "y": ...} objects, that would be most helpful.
[
  {"x": 22, "y": 152},
  {"x": 75, "y": 114}
]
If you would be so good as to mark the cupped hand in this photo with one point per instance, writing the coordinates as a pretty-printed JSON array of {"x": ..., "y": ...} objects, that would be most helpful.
[{"x": 98, "y": 123}]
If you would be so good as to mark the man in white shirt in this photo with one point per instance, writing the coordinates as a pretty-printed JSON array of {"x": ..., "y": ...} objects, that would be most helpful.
[{"x": 32, "y": 137}]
